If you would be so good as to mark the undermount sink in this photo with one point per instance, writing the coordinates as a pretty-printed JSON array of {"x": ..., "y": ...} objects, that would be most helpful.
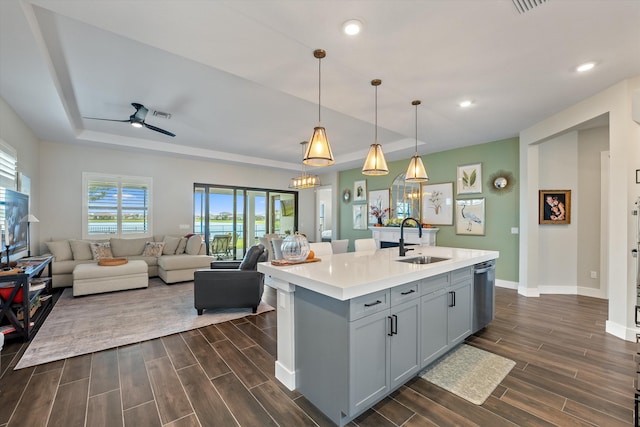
[{"x": 422, "y": 260}]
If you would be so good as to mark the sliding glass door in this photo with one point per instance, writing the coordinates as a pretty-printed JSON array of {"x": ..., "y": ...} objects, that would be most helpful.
[{"x": 233, "y": 219}]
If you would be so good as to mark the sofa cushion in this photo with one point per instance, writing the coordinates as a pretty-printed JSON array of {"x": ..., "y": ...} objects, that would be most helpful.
[
  {"x": 170, "y": 245},
  {"x": 251, "y": 258},
  {"x": 193, "y": 245},
  {"x": 127, "y": 247},
  {"x": 181, "y": 246},
  {"x": 184, "y": 262},
  {"x": 101, "y": 250},
  {"x": 153, "y": 249},
  {"x": 152, "y": 261},
  {"x": 66, "y": 267},
  {"x": 61, "y": 250},
  {"x": 81, "y": 250}
]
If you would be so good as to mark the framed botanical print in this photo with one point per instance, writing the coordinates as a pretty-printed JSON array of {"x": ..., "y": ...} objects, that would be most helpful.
[
  {"x": 470, "y": 217},
  {"x": 469, "y": 179},
  {"x": 359, "y": 217},
  {"x": 360, "y": 191},
  {"x": 437, "y": 203}
]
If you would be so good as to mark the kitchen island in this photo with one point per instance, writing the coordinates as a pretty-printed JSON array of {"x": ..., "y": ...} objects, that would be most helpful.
[{"x": 355, "y": 326}]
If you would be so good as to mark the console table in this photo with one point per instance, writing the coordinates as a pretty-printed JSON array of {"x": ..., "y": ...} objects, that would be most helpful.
[{"x": 18, "y": 295}]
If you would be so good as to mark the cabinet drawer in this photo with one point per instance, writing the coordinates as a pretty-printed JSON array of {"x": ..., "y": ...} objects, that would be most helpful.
[
  {"x": 403, "y": 293},
  {"x": 368, "y": 304},
  {"x": 431, "y": 283},
  {"x": 460, "y": 275}
]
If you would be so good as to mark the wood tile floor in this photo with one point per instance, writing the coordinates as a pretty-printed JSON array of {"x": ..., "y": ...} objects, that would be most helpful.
[{"x": 568, "y": 372}]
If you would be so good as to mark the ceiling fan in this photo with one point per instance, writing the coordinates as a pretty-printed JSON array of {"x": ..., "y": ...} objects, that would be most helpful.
[{"x": 137, "y": 119}]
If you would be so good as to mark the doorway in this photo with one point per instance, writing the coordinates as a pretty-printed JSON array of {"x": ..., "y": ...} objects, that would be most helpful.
[{"x": 324, "y": 214}]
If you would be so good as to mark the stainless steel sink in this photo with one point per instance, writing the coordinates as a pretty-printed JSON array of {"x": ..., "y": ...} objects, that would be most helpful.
[{"x": 422, "y": 260}]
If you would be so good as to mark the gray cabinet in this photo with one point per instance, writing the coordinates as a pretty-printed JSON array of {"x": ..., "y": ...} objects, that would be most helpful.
[
  {"x": 384, "y": 346},
  {"x": 351, "y": 354},
  {"x": 445, "y": 313}
]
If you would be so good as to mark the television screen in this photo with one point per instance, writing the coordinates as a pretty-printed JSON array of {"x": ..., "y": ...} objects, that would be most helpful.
[{"x": 16, "y": 211}]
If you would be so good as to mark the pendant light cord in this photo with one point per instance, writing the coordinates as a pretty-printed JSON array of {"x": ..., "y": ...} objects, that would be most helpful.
[
  {"x": 416, "y": 103},
  {"x": 376, "y": 136},
  {"x": 319, "y": 87}
]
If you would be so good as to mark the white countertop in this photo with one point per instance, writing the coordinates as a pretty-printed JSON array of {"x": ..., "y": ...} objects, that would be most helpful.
[{"x": 353, "y": 274}]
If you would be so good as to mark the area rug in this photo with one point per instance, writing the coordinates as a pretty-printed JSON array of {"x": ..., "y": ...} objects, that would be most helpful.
[
  {"x": 93, "y": 323},
  {"x": 469, "y": 372}
]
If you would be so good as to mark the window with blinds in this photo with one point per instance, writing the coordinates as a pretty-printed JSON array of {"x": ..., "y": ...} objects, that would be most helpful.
[
  {"x": 8, "y": 166},
  {"x": 8, "y": 171},
  {"x": 116, "y": 206}
]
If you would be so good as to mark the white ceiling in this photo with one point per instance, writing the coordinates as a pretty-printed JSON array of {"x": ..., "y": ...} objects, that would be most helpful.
[{"x": 241, "y": 83}]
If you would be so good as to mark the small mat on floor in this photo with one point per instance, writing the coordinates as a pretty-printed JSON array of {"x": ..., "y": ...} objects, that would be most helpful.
[
  {"x": 469, "y": 372},
  {"x": 93, "y": 323}
]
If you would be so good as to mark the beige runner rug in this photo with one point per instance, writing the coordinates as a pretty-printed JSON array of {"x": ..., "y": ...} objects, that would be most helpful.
[
  {"x": 92, "y": 323},
  {"x": 469, "y": 372}
]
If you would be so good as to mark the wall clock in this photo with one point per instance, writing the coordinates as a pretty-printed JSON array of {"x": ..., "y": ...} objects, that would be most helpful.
[{"x": 346, "y": 195}]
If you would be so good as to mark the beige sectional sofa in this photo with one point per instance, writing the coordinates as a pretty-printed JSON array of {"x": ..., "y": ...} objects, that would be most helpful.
[{"x": 172, "y": 258}]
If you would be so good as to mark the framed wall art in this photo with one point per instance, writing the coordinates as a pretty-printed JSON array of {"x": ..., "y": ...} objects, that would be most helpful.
[
  {"x": 469, "y": 179},
  {"x": 360, "y": 191},
  {"x": 554, "y": 207},
  {"x": 470, "y": 217},
  {"x": 437, "y": 203},
  {"x": 359, "y": 217}
]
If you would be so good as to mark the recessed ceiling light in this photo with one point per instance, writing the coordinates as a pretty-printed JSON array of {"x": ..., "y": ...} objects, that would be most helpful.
[
  {"x": 352, "y": 27},
  {"x": 466, "y": 103},
  {"x": 585, "y": 67}
]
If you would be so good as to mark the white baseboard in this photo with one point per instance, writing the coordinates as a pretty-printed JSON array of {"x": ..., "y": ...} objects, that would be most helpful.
[
  {"x": 621, "y": 331},
  {"x": 506, "y": 284},
  {"x": 285, "y": 376}
]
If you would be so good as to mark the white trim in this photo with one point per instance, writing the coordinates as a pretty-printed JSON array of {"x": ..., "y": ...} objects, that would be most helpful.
[{"x": 620, "y": 331}]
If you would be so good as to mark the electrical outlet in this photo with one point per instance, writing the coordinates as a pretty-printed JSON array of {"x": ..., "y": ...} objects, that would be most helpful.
[
  {"x": 594, "y": 274},
  {"x": 514, "y": 230}
]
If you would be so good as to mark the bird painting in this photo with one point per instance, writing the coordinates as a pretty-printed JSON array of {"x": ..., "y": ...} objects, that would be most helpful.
[{"x": 470, "y": 217}]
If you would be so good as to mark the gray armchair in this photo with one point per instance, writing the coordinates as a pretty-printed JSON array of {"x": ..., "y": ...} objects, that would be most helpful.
[{"x": 230, "y": 284}]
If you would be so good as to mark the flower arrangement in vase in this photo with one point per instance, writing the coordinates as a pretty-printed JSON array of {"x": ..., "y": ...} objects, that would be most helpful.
[{"x": 379, "y": 213}]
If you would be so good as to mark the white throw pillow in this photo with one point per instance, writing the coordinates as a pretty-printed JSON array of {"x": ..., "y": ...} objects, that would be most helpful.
[
  {"x": 170, "y": 245},
  {"x": 181, "y": 246},
  {"x": 61, "y": 250},
  {"x": 193, "y": 245},
  {"x": 81, "y": 250},
  {"x": 153, "y": 249}
]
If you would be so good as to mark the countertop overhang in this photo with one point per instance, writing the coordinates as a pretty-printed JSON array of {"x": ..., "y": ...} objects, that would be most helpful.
[{"x": 353, "y": 274}]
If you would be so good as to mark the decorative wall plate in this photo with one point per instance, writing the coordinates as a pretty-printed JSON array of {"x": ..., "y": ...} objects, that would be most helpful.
[{"x": 346, "y": 195}]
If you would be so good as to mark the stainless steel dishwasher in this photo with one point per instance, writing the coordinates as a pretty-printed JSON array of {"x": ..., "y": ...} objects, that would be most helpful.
[{"x": 484, "y": 279}]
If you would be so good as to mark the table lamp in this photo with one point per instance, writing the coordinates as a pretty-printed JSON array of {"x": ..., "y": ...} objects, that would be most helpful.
[{"x": 29, "y": 219}]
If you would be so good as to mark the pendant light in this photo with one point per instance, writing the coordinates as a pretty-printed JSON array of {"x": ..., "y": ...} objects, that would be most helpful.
[
  {"x": 416, "y": 171},
  {"x": 375, "y": 164},
  {"x": 319, "y": 151},
  {"x": 304, "y": 180}
]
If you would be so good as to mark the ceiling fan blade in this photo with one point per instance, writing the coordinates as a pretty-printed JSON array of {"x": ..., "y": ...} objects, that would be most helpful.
[
  {"x": 107, "y": 120},
  {"x": 166, "y": 132}
]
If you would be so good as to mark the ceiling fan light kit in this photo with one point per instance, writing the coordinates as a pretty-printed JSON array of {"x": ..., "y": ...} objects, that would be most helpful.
[{"x": 375, "y": 163}]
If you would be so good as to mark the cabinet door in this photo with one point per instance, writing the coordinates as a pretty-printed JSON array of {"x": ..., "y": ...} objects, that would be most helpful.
[
  {"x": 368, "y": 360},
  {"x": 459, "y": 316},
  {"x": 404, "y": 343},
  {"x": 433, "y": 325}
]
